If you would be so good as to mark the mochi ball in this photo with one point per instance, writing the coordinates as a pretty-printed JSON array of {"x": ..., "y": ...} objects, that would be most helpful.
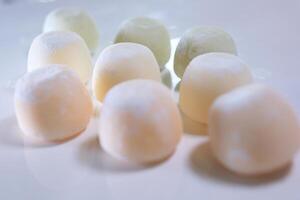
[
  {"x": 253, "y": 130},
  {"x": 207, "y": 77},
  {"x": 201, "y": 40},
  {"x": 74, "y": 20},
  {"x": 121, "y": 62},
  {"x": 51, "y": 103},
  {"x": 60, "y": 47},
  {"x": 140, "y": 122},
  {"x": 149, "y": 32}
]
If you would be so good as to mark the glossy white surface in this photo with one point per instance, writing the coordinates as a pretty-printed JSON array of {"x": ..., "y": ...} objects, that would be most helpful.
[{"x": 267, "y": 37}]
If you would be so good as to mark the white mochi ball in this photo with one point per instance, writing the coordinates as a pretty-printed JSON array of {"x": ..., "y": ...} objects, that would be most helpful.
[
  {"x": 253, "y": 130},
  {"x": 140, "y": 122},
  {"x": 201, "y": 40},
  {"x": 61, "y": 47},
  {"x": 121, "y": 62},
  {"x": 51, "y": 103},
  {"x": 149, "y": 32},
  {"x": 207, "y": 77},
  {"x": 75, "y": 20}
]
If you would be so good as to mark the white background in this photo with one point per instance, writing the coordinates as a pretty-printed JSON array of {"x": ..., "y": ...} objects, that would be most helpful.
[{"x": 267, "y": 34}]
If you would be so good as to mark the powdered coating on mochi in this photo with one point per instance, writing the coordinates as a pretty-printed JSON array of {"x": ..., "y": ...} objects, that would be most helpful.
[
  {"x": 28, "y": 86},
  {"x": 139, "y": 121},
  {"x": 138, "y": 100},
  {"x": 56, "y": 40},
  {"x": 51, "y": 103},
  {"x": 224, "y": 65},
  {"x": 60, "y": 47}
]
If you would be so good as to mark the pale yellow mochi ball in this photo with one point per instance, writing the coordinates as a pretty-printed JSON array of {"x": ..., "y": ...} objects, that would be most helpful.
[
  {"x": 60, "y": 47},
  {"x": 149, "y": 32},
  {"x": 253, "y": 130},
  {"x": 201, "y": 40},
  {"x": 51, "y": 103},
  {"x": 207, "y": 77},
  {"x": 75, "y": 20},
  {"x": 121, "y": 62},
  {"x": 140, "y": 122}
]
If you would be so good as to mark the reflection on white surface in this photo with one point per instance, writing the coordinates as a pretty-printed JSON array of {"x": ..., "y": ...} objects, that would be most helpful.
[
  {"x": 92, "y": 156},
  {"x": 153, "y": 182},
  {"x": 10, "y": 133},
  {"x": 170, "y": 64},
  {"x": 261, "y": 74},
  {"x": 54, "y": 169},
  {"x": 205, "y": 165},
  {"x": 55, "y": 166}
]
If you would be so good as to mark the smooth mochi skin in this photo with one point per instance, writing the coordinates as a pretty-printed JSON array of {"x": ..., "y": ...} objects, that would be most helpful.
[
  {"x": 207, "y": 77},
  {"x": 52, "y": 104},
  {"x": 193, "y": 127},
  {"x": 60, "y": 47},
  {"x": 149, "y": 32},
  {"x": 253, "y": 130},
  {"x": 198, "y": 41},
  {"x": 121, "y": 62},
  {"x": 140, "y": 122},
  {"x": 74, "y": 20}
]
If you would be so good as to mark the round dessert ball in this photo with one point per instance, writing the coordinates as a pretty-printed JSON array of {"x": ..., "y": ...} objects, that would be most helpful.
[
  {"x": 149, "y": 32},
  {"x": 201, "y": 40},
  {"x": 253, "y": 130},
  {"x": 74, "y": 20},
  {"x": 60, "y": 47},
  {"x": 121, "y": 62},
  {"x": 140, "y": 122},
  {"x": 207, "y": 77},
  {"x": 166, "y": 77},
  {"x": 51, "y": 103}
]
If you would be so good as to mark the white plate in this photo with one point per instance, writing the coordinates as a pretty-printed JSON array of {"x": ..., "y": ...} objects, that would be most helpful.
[{"x": 267, "y": 35}]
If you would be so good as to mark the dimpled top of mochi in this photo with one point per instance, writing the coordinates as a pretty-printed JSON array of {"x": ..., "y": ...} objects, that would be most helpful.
[
  {"x": 40, "y": 84},
  {"x": 139, "y": 98},
  {"x": 218, "y": 65},
  {"x": 124, "y": 51},
  {"x": 198, "y": 37},
  {"x": 57, "y": 39},
  {"x": 144, "y": 22},
  {"x": 69, "y": 13},
  {"x": 206, "y": 32},
  {"x": 254, "y": 94}
]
